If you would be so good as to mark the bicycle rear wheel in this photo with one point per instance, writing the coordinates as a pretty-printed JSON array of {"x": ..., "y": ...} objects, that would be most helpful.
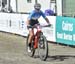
[
  {"x": 43, "y": 47},
  {"x": 31, "y": 54}
]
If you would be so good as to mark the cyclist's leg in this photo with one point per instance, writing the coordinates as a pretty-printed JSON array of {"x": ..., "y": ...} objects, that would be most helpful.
[
  {"x": 30, "y": 39},
  {"x": 30, "y": 36},
  {"x": 31, "y": 33}
]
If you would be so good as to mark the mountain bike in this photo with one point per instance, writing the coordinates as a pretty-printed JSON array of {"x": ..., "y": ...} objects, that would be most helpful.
[{"x": 39, "y": 42}]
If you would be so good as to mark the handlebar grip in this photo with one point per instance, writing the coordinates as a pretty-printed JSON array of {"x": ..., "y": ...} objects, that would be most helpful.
[{"x": 49, "y": 25}]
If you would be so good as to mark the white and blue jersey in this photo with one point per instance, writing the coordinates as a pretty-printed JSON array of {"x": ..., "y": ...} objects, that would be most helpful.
[{"x": 35, "y": 15}]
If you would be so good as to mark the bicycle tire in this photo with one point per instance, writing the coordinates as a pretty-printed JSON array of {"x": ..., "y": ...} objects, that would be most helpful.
[
  {"x": 43, "y": 41},
  {"x": 31, "y": 54}
]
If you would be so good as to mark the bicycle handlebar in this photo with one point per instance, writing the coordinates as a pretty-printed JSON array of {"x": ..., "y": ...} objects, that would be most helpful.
[
  {"x": 35, "y": 26},
  {"x": 47, "y": 25}
]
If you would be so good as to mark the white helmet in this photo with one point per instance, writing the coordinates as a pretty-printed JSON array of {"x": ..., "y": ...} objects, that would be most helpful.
[{"x": 37, "y": 6}]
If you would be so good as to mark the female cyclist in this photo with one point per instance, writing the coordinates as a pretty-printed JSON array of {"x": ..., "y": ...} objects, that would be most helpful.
[{"x": 32, "y": 20}]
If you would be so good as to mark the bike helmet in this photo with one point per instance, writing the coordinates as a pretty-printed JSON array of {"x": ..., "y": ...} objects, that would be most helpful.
[{"x": 37, "y": 6}]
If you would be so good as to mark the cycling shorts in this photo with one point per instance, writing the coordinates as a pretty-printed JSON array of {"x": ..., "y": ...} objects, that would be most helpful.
[{"x": 33, "y": 22}]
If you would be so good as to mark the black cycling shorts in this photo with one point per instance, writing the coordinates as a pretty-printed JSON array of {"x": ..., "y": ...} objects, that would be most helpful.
[{"x": 33, "y": 22}]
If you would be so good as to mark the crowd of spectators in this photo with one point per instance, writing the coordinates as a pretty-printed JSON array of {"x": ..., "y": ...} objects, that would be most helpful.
[{"x": 6, "y": 8}]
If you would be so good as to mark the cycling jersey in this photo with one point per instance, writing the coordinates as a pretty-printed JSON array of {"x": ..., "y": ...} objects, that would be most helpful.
[{"x": 35, "y": 15}]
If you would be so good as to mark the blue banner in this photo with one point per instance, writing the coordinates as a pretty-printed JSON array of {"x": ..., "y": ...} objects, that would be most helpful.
[{"x": 65, "y": 30}]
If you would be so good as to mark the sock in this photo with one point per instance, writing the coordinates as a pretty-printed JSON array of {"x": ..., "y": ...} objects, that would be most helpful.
[{"x": 29, "y": 44}]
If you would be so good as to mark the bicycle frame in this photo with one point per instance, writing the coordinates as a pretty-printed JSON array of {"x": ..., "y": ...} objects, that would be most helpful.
[{"x": 36, "y": 35}]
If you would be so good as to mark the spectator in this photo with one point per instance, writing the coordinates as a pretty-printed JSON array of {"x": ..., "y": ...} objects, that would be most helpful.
[
  {"x": 10, "y": 9},
  {"x": 3, "y": 7},
  {"x": 49, "y": 12}
]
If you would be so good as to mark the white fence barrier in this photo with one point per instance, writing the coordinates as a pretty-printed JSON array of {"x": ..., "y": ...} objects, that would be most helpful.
[{"x": 16, "y": 23}]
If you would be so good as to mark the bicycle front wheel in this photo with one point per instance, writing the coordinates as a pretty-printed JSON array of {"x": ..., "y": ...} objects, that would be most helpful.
[{"x": 43, "y": 47}]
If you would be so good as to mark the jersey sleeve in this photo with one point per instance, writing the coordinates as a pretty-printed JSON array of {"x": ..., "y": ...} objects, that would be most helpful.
[
  {"x": 30, "y": 16},
  {"x": 43, "y": 15}
]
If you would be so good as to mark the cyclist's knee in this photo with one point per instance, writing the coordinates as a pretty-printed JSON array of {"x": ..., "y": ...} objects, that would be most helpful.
[{"x": 31, "y": 34}]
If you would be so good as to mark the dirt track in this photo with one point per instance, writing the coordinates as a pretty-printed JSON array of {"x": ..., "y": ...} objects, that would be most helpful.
[{"x": 12, "y": 51}]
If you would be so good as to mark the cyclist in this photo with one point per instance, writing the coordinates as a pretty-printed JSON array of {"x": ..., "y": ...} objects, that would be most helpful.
[{"x": 33, "y": 19}]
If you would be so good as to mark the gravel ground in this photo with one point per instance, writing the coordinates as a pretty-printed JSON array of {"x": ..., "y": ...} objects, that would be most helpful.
[{"x": 12, "y": 51}]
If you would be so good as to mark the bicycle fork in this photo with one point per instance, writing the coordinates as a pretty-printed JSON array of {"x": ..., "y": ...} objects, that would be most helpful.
[
  {"x": 36, "y": 39},
  {"x": 36, "y": 42}
]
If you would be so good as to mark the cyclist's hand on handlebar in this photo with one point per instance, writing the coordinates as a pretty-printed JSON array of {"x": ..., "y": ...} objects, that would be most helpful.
[{"x": 49, "y": 25}]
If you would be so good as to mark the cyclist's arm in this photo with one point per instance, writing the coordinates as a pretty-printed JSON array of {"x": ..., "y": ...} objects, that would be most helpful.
[
  {"x": 30, "y": 15},
  {"x": 47, "y": 20},
  {"x": 43, "y": 15},
  {"x": 28, "y": 22},
  {"x": 29, "y": 18}
]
